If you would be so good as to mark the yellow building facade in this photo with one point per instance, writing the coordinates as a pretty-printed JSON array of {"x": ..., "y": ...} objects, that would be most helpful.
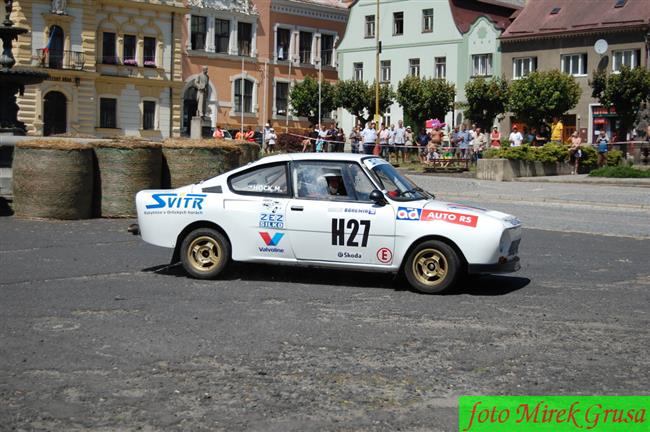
[{"x": 114, "y": 67}]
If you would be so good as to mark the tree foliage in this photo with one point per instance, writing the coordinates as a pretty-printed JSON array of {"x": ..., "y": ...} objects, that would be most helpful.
[
  {"x": 627, "y": 91},
  {"x": 540, "y": 96},
  {"x": 358, "y": 98},
  {"x": 425, "y": 98},
  {"x": 304, "y": 99},
  {"x": 486, "y": 100}
]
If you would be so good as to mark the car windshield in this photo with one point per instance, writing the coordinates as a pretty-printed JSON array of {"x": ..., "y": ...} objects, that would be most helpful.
[{"x": 397, "y": 186}]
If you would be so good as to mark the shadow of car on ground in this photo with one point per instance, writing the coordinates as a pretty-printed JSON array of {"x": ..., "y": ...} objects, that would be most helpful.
[{"x": 483, "y": 285}]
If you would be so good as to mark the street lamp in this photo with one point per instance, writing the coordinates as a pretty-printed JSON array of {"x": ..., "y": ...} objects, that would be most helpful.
[
  {"x": 241, "y": 99},
  {"x": 320, "y": 84},
  {"x": 286, "y": 121}
]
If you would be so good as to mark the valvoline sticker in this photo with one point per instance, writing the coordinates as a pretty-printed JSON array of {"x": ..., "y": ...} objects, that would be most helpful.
[{"x": 455, "y": 218}]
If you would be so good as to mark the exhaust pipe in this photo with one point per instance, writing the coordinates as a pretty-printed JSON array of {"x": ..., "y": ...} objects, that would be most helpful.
[{"x": 134, "y": 229}]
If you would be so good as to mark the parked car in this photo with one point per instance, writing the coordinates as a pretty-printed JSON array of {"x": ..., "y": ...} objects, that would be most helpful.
[{"x": 334, "y": 210}]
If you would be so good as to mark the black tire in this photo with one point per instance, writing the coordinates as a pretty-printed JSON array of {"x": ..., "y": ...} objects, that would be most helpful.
[
  {"x": 432, "y": 267},
  {"x": 205, "y": 253}
]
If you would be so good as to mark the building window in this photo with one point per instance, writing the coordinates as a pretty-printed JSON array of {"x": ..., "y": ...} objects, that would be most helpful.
[
  {"x": 369, "y": 31},
  {"x": 198, "y": 32},
  {"x": 281, "y": 98},
  {"x": 108, "y": 48},
  {"x": 398, "y": 23},
  {"x": 414, "y": 67},
  {"x": 148, "y": 115},
  {"x": 108, "y": 113},
  {"x": 440, "y": 68},
  {"x": 427, "y": 20},
  {"x": 358, "y": 72},
  {"x": 248, "y": 95},
  {"x": 305, "y": 46},
  {"x": 385, "y": 71},
  {"x": 327, "y": 49},
  {"x": 482, "y": 65},
  {"x": 283, "y": 43},
  {"x": 574, "y": 64},
  {"x": 221, "y": 36},
  {"x": 244, "y": 38},
  {"x": 523, "y": 66},
  {"x": 630, "y": 58},
  {"x": 128, "y": 56},
  {"x": 149, "y": 52}
]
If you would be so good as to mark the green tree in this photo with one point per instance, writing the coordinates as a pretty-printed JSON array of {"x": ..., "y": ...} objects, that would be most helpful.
[
  {"x": 425, "y": 98},
  {"x": 304, "y": 99},
  {"x": 626, "y": 91},
  {"x": 358, "y": 98},
  {"x": 486, "y": 100},
  {"x": 540, "y": 96}
]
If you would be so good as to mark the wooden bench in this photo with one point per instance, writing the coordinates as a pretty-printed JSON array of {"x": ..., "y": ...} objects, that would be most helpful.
[{"x": 446, "y": 165}]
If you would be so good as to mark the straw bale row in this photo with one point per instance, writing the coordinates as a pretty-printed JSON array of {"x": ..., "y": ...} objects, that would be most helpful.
[{"x": 64, "y": 179}]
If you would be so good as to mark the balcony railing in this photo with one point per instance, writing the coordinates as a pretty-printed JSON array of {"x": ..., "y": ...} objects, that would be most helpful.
[{"x": 55, "y": 59}]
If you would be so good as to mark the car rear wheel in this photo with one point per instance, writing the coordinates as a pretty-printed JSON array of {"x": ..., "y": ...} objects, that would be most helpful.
[
  {"x": 432, "y": 267},
  {"x": 205, "y": 253}
]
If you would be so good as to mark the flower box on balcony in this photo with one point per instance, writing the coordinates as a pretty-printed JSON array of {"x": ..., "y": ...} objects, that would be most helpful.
[
  {"x": 150, "y": 63},
  {"x": 130, "y": 62}
]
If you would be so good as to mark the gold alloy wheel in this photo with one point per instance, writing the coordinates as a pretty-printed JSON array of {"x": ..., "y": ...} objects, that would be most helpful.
[
  {"x": 204, "y": 253},
  {"x": 430, "y": 267}
]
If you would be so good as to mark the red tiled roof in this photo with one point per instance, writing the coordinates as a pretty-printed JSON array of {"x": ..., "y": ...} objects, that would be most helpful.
[
  {"x": 535, "y": 19},
  {"x": 339, "y": 4},
  {"x": 466, "y": 12}
]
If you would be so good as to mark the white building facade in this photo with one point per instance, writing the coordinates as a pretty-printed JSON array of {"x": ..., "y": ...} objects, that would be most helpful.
[{"x": 439, "y": 39}]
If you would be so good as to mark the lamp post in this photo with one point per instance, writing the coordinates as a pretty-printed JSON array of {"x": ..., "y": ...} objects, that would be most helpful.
[
  {"x": 286, "y": 121},
  {"x": 241, "y": 98},
  {"x": 320, "y": 79},
  {"x": 377, "y": 52}
]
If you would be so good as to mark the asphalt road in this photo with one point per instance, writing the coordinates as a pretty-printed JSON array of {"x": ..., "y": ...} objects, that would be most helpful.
[{"x": 97, "y": 334}]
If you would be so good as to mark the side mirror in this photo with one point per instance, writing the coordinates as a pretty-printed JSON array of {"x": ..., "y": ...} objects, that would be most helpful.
[{"x": 377, "y": 197}]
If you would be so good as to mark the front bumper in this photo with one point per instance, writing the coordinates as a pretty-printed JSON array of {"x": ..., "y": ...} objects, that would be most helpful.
[{"x": 510, "y": 266}]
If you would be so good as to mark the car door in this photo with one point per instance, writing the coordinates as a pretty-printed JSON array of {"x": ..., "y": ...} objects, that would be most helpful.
[
  {"x": 255, "y": 213},
  {"x": 330, "y": 217}
]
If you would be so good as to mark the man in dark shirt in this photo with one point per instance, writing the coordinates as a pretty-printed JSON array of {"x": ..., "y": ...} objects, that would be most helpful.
[{"x": 423, "y": 142}]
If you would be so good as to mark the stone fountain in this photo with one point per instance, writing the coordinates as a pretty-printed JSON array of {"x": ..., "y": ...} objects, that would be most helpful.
[{"x": 12, "y": 81}]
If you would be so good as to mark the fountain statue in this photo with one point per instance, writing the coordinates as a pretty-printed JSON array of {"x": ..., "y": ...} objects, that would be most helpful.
[{"x": 12, "y": 81}]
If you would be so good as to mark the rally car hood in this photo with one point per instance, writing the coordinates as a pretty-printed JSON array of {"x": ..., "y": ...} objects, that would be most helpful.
[{"x": 507, "y": 219}]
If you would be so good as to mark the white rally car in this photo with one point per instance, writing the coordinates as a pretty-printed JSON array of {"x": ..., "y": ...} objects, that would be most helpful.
[{"x": 335, "y": 210}]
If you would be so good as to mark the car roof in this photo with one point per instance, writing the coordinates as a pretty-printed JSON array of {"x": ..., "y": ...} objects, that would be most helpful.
[{"x": 315, "y": 156}]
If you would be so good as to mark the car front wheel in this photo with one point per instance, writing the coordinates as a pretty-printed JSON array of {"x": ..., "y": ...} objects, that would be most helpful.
[
  {"x": 205, "y": 253},
  {"x": 432, "y": 267}
]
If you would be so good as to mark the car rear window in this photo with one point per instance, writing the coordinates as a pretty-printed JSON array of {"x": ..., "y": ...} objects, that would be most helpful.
[{"x": 264, "y": 180}]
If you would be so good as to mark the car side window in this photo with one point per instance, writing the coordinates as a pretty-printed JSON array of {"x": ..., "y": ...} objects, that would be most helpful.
[
  {"x": 264, "y": 180},
  {"x": 360, "y": 182},
  {"x": 331, "y": 181}
]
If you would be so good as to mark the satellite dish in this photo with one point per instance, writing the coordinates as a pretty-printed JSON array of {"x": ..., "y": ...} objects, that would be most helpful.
[{"x": 600, "y": 46}]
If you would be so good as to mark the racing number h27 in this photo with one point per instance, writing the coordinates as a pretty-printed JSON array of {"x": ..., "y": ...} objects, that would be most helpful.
[{"x": 338, "y": 232}]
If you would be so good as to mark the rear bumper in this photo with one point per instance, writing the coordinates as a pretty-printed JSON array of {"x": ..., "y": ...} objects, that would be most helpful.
[{"x": 509, "y": 266}]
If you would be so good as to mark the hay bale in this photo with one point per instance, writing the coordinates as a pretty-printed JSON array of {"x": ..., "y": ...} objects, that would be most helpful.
[
  {"x": 53, "y": 179},
  {"x": 250, "y": 151},
  {"x": 125, "y": 167},
  {"x": 190, "y": 161}
]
